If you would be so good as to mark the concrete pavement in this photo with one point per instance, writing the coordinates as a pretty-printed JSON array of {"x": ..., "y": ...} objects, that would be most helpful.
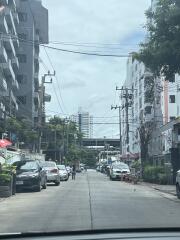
[
  {"x": 171, "y": 189},
  {"x": 92, "y": 201}
]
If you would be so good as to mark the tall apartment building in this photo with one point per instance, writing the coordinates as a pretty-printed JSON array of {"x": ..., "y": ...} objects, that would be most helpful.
[
  {"x": 23, "y": 26},
  {"x": 9, "y": 64},
  {"x": 154, "y": 100},
  {"x": 32, "y": 31},
  {"x": 144, "y": 106},
  {"x": 84, "y": 122}
]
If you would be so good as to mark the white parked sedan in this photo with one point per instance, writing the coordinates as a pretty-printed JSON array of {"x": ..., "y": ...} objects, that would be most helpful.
[
  {"x": 52, "y": 172},
  {"x": 119, "y": 171},
  {"x": 63, "y": 173}
]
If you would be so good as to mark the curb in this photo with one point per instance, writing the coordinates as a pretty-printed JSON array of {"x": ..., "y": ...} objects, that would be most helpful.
[
  {"x": 164, "y": 191},
  {"x": 158, "y": 189}
]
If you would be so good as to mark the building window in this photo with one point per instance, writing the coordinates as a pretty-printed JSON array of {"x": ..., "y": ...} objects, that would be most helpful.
[
  {"x": 22, "y": 99},
  {"x": 22, "y": 16},
  {"x": 148, "y": 109},
  {"x": 22, "y": 78},
  {"x": 172, "y": 118},
  {"x": 171, "y": 98},
  {"x": 22, "y": 36},
  {"x": 22, "y": 58}
]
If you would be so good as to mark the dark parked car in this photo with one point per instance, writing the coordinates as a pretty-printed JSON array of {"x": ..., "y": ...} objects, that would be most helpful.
[{"x": 30, "y": 175}]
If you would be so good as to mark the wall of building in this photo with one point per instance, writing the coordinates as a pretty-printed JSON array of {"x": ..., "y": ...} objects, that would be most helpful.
[
  {"x": 33, "y": 29},
  {"x": 9, "y": 63}
]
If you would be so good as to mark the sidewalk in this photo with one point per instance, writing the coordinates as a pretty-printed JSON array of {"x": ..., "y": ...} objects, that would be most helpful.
[{"x": 170, "y": 189}]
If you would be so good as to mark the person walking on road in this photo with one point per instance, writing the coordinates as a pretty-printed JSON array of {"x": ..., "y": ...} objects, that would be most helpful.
[{"x": 73, "y": 172}]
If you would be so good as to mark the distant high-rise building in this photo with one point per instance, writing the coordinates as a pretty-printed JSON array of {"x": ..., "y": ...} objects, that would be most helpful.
[{"x": 84, "y": 122}]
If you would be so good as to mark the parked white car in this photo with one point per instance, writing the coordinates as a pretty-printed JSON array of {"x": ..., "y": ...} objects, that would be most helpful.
[
  {"x": 52, "y": 172},
  {"x": 63, "y": 173},
  {"x": 119, "y": 171}
]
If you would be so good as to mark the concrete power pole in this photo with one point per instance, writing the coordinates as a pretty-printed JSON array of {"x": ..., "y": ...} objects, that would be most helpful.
[
  {"x": 120, "y": 137},
  {"x": 42, "y": 103},
  {"x": 127, "y": 94}
]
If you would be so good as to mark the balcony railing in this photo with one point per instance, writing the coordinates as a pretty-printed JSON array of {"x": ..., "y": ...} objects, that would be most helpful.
[
  {"x": 3, "y": 54},
  {"x": 10, "y": 19},
  {"x": 9, "y": 70},
  {"x": 3, "y": 23},
  {"x": 8, "y": 43},
  {"x": 3, "y": 84},
  {"x": 16, "y": 17}
]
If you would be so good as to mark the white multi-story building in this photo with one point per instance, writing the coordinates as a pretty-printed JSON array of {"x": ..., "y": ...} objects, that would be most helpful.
[
  {"x": 84, "y": 122},
  {"x": 170, "y": 99},
  {"x": 143, "y": 106},
  {"x": 154, "y": 100}
]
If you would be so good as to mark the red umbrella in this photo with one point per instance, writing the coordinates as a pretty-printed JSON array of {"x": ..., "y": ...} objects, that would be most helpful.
[{"x": 5, "y": 143}]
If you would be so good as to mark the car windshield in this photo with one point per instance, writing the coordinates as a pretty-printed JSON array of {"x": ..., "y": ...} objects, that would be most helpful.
[
  {"x": 27, "y": 166},
  {"x": 93, "y": 85},
  {"x": 121, "y": 166},
  {"x": 48, "y": 164},
  {"x": 61, "y": 167}
]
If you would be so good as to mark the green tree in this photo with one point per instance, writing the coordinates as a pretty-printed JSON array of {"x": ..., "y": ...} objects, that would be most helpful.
[
  {"x": 63, "y": 138},
  {"x": 145, "y": 134},
  {"x": 161, "y": 51}
]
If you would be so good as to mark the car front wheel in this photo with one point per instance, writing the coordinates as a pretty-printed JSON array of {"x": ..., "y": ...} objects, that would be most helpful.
[
  {"x": 57, "y": 183},
  {"x": 38, "y": 188}
]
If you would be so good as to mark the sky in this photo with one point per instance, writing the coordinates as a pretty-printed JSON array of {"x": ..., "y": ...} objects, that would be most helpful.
[{"x": 96, "y": 26}]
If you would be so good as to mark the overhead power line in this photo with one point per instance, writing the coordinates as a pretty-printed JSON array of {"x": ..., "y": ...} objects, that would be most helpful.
[
  {"x": 50, "y": 61},
  {"x": 54, "y": 89},
  {"x": 67, "y": 50},
  {"x": 86, "y": 53}
]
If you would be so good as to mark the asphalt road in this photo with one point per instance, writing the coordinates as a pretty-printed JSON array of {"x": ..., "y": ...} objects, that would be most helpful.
[{"x": 92, "y": 201}]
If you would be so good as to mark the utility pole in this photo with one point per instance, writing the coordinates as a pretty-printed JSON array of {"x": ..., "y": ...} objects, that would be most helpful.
[
  {"x": 120, "y": 138},
  {"x": 55, "y": 140},
  {"x": 127, "y": 94},
  {"x": 42, "y": 105}
]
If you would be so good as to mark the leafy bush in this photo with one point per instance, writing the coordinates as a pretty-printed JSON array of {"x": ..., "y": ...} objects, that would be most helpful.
[
  {"x": 6, "y": 173},
  {"x": 5, "y": 178},
  {"x": 162, "y": 178},
  {"x": 154, "y": 174}
]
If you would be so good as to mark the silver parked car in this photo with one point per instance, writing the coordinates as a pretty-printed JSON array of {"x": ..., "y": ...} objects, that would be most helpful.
[
  {"x": 64, "y": 176},
  {"x": 52, "y": 172}
]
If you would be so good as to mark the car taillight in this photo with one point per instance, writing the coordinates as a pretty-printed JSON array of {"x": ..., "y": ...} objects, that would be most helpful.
[{"x": 54, "y": 170}]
